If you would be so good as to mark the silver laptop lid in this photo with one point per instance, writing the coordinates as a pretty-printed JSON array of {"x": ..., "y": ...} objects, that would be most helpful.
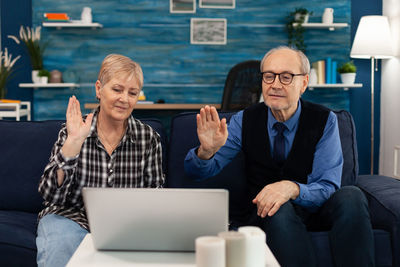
[{"x": 154, "y": 219}]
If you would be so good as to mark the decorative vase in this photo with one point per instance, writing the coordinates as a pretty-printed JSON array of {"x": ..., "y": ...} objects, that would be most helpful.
[
  {"x": 35, "y": 76},
  {"x": 55, "y": 76},
  {"x": 327, "y": 17},
  {"x": 348, "y": 78},
  {"x": 86, "y": 15},
  {"x": 313, "y": 77}
]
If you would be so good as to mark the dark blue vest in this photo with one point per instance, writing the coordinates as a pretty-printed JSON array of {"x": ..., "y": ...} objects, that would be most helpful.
[{"x": 261, "y": 169}]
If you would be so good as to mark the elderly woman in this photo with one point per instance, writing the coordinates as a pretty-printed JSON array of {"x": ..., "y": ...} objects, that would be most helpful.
[{"x": 109, "y": 148}]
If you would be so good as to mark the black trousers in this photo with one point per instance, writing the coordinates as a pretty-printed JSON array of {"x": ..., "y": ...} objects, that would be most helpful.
[{"x": 345, "y": 215}]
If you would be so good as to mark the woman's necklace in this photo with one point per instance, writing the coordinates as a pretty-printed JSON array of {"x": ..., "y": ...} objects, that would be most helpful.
[{"x": 109, "y": 145}]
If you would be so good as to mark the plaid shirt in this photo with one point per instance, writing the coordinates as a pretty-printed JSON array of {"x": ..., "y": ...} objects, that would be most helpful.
[{"x": 136, "y": 162}]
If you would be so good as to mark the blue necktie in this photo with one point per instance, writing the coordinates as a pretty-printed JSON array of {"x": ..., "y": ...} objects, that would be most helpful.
[{"x": 279, "y": 143}]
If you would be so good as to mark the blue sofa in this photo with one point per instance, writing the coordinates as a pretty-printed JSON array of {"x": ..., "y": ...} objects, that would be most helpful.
[
  {"x": 383, "y": 193},
  {"x": 25, "y": 150}
]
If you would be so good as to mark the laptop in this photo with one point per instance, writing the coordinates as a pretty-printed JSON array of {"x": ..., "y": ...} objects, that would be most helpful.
[{"x": 154, "y": 219}]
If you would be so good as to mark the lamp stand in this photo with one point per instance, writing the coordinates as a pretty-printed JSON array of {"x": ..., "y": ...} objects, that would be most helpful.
[{"x": 372, "y": 113}]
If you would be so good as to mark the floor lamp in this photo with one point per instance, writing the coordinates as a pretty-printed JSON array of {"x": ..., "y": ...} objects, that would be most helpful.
[{"x": 373, "y": 41}]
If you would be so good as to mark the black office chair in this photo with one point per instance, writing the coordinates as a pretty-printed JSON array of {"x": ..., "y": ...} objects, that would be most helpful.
[{"x": 242, "y": 86}]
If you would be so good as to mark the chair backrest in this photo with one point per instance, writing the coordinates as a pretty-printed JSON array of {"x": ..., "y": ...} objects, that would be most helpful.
[
  {"x": 242, "y": 86},
  {"x": 25, "y": 150}
]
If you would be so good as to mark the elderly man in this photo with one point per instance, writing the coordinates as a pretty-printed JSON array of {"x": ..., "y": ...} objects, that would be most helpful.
[{"x": 294, "y": 164}]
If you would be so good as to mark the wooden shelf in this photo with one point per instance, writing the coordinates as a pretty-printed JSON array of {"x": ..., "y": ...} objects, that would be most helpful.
[
  {"x": 335, "y": 85},
  {"x": 161, "y": 106},
  {"x": 331, "y": 26},
  {"x": 48, "y": 85},
  {"x": 60, "y": 25}
]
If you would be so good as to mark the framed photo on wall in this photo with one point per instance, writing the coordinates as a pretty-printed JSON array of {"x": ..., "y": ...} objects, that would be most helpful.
[
  {"x": 208, "y": 31},
  {"x": 182, "y": 6},
  {"x": 217, "y": 3}
]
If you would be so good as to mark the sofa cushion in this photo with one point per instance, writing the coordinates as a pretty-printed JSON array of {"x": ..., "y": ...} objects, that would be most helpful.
[
  {"x": 383, "y": 195},
  {"x": 17, "y": 238},
  {"x": 25, "y": 151},
  {"x": 383, "y": 251},
  {"x": 18, "y": 228}
]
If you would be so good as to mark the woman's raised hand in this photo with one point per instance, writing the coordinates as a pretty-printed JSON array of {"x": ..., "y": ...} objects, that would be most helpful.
[
  {"x": 77, "y": 129},
  {"x": 212, "y": 132}
]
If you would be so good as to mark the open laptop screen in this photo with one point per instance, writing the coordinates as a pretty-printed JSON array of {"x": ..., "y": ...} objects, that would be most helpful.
[{"x": 154, "y": 219}]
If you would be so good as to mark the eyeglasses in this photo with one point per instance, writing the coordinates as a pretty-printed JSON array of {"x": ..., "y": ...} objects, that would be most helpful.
[{"x": 285, "y": 78}]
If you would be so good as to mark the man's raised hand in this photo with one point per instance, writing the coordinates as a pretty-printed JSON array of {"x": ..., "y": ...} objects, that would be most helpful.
[{"x": 212, "y": 132}]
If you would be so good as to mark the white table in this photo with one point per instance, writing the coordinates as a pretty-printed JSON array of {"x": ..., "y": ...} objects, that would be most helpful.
[
  {"x": 87, "y": 255},
  {"x": 15, "y": 110}
]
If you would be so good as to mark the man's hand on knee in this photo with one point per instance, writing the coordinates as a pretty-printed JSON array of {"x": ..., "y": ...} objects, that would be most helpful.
[{"x": 273, "y": 196}]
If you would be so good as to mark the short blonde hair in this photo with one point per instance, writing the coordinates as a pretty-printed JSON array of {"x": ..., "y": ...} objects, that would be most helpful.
[
  {"x": 114, "y": 64},
  {"x": 304, "y": 62}
]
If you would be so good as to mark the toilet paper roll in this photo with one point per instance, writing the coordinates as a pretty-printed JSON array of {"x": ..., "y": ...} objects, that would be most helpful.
[
  {"x": 235, "y": 248},
  {"x": 210, "y": 251},
  {"x": 255, "y": 246}
]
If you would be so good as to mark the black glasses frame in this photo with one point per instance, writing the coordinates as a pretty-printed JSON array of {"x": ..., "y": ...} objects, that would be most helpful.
[{"x": 280, "y": 77}]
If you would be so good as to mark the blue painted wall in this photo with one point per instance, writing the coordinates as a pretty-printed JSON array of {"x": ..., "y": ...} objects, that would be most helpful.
[
  {"x": 175, "y": 70},
  {"x": 159, "y": 41},
  {"x": 12, "y": 15}
]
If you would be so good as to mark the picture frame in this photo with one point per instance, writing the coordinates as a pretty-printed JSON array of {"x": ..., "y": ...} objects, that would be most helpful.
[
  {"x": 230, "y": 4},
  {"x": 208, "y": 31},
  {"x": 182, "y": 6}
]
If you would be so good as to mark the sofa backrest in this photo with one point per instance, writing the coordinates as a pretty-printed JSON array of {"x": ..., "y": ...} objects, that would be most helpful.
[
  {"x": 25, "y": 148},
  {"x": 183, "y": 137},
  {"x": 347, "y": 132},
  {"x": 159, "y": 128}
]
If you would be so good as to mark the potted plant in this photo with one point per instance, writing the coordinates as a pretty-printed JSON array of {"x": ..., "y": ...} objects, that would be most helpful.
[
  {"x": 295, "y": 28},
  {"x": 6, "y": 70},
  {"x": 30, "y": 37},
  {"x": 347, "y": 72},
  {"x": 44, "y": 76}
]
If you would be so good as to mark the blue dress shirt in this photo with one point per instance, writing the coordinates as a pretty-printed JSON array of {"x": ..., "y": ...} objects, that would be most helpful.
[{"x": 322, "y": 182}]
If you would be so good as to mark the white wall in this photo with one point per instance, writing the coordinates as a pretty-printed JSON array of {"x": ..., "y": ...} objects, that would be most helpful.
[{"x": 390, "y": 93}]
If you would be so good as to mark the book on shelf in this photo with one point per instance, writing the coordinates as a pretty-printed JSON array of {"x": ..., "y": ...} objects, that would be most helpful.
[
  {"x": 319, "y": 66},
  {"x": 334, "y": 72},
  {"x": 56, "y": 17},
  {"x": 9, "y": 101},
  {"x": 326, "y": 71}
]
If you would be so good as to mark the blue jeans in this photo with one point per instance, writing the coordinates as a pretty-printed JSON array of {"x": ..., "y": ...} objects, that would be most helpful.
[
  {"x": 57, "y": 239},
  {"x": 345, "y": 215}
]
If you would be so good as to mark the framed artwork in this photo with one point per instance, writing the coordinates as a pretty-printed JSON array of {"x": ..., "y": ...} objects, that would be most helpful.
[
  {"x": 182, "y": 6},
  {"x": 217, "y": 3},
  {"x": 208, "y": 31}
]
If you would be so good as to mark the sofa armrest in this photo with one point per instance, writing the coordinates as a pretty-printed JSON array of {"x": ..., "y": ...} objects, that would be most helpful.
[{"x": 383, "y": 195}]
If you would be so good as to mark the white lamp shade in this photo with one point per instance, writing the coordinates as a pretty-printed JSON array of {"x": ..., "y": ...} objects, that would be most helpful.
[{"x": 373, "y": 38}]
